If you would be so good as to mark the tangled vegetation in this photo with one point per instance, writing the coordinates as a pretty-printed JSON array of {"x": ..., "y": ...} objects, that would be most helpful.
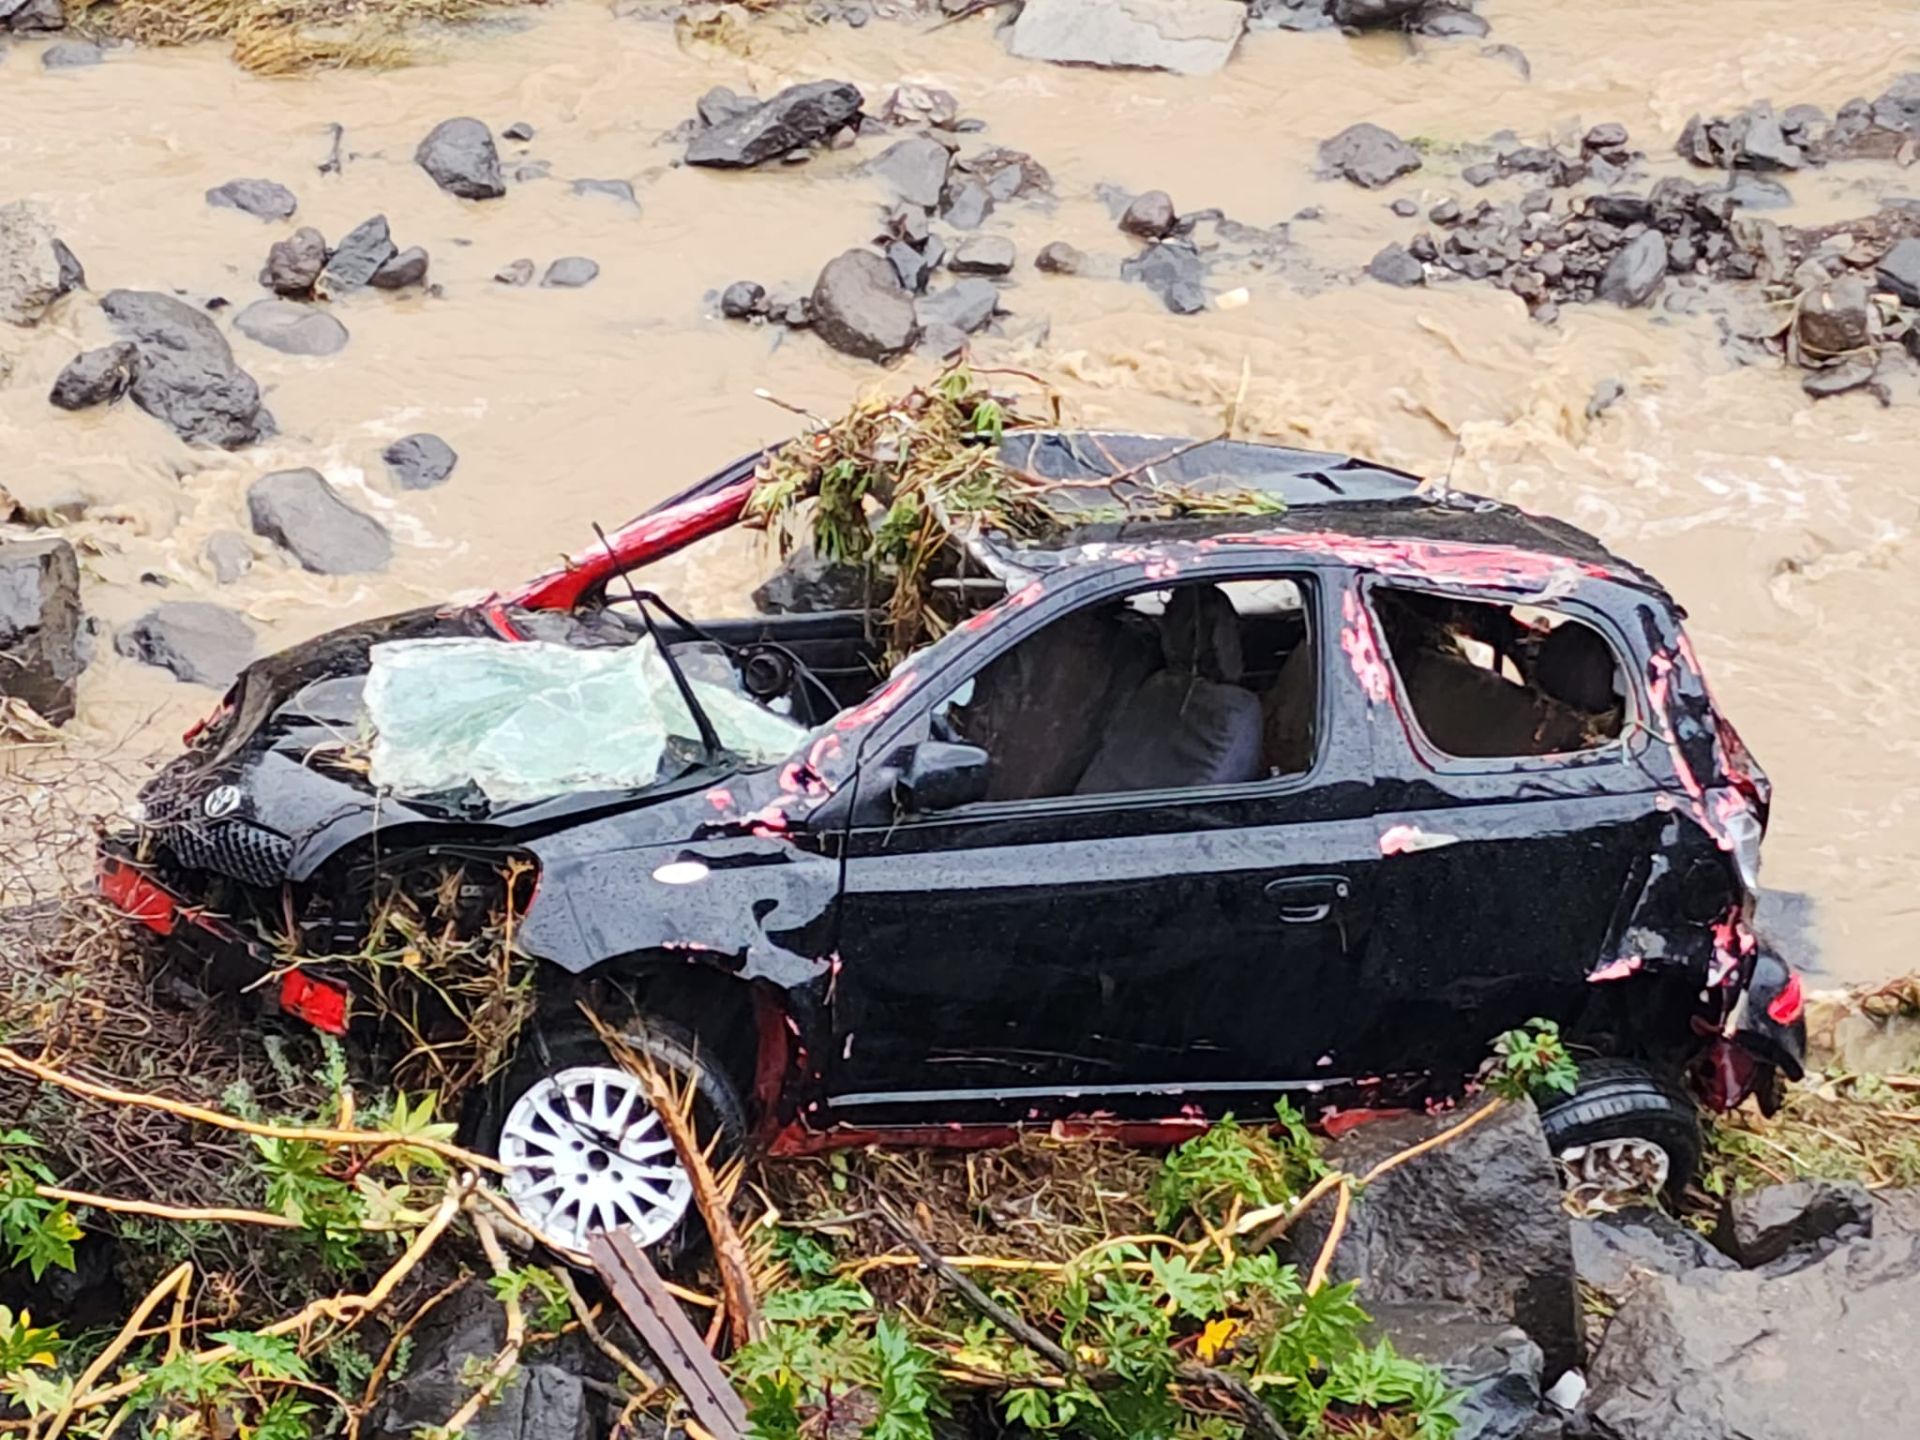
[
  {"x": 893, "y": 484},
  {"x": 284, "y": 37}
]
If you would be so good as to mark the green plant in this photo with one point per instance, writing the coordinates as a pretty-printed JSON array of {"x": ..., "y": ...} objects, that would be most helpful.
[
  {"x": 37, "y": 1232},
  {"x": 1229, "y": 1165},
  {"x": 1532, "y": 1060},
  {"x": 550, "y": 1308}
]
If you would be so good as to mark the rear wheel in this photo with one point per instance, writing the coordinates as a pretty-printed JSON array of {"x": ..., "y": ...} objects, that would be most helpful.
[
  {"x": 584, "y": 1149},
  {"x": 1626, "y": 1128}
]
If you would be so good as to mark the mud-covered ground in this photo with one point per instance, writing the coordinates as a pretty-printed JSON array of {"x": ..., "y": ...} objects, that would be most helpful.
[{"x": 1677, "y": 428}]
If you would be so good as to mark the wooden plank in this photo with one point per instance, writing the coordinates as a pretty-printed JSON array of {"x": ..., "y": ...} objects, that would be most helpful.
[{"x": 633, "y": 1282}]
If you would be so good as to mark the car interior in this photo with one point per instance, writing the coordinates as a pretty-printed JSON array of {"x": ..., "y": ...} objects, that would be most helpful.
[
  {"x": 1488, "y": 680},
  {"x": 1183, "y": 687}
]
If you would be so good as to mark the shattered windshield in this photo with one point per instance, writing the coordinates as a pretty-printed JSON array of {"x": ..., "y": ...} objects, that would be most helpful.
[{"x": 529, "y": 721}]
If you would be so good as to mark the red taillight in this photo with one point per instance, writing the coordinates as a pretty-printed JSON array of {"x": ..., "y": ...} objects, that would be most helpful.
[
  {"x": 1787, "y": 1006},
  {"x": 136, "y": 897},
  {"x": 320, "y": 1004}
]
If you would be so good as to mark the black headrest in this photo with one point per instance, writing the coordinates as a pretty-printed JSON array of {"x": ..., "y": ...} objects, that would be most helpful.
[{"x": 1200, "y": 634}]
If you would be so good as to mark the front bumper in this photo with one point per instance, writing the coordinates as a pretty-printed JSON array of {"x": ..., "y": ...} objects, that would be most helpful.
[{"x": 226, "y": 958}]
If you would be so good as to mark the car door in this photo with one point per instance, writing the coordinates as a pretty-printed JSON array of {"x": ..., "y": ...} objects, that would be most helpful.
[
  {"x": 1136, "y": 954},
  {"x": 1503, "y": 877}
]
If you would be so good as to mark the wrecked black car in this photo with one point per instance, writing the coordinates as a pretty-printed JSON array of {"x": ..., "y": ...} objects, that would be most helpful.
[{"x": 1308, "y": 797}]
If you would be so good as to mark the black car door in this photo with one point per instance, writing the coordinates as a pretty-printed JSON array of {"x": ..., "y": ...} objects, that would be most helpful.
[
  {"x": 1503, "y": 874},
  {"x": 1135, "y": 954}
]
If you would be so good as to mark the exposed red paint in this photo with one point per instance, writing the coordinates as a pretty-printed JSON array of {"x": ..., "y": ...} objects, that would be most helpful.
[
  {"x": 1162, "y": 569},
  {"x": 1733, "y": 942},
  {"x": 720, "y": 799},
  {"x": 1725, "y": 1075},
  {"x": 1621, "y": 969},
  {"x": 879, "y": 703},
  {"x": 502, "y": 623},
  {"x": 770, "y": 1060},
  {"x": 648, "y": 538},
  {"x": 1789, "y": 1004},
  {"x": 320, "y": 1003},
  {"x": 1363, "y": 649},
  {"x": 1463, "y": 563},
  {"x": 1344, "y": 1122},
  {"x": 137, "y": 897}
]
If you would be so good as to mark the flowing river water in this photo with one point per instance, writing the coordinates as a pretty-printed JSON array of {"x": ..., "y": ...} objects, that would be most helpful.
[{"x": 1785, "y": 526}]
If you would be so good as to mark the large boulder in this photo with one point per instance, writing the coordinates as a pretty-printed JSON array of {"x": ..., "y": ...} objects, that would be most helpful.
[
  {"x": 1369, "y": 155},
  {"x": 462, "y": 159},
  {"x": 291, "y": 328},
  {"x": 1823, "y": 1352},
  {"x": 1172, "y": 270},
  {"x": 304, "y": 515},
  {"x": 262, "y": 199},
  {"x": 860, "y": 307},
  {"x": 1477, "y": 1221},
  {"x": 35, "y": 268},
  {"x": 1495, "y": 1366},
  {"x": 293, "y": 265},
  {"x": 40, "y": 626},
  {"x": 1899, "y": 271},
  {"x": 798, "y": 116},
  {"x": 1635, "y": 271},
  {"x": 1190, "y": 37},
  {"x": 200, "y": 643},
  {"x": 186, "y": 375},
  {"x": 1787, "y": 1226},
  {"x": 357, "y": 259},
  {"x": 1836, "y": 318},
  {"x": 1610, "y": 1250},
  {"x": 916, "y": 169},
  {"x": 419, "y": 462}
]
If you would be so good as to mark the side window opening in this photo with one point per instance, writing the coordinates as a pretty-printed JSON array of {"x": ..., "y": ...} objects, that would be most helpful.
[
  {"x": 1489, "y": 681},
  {"x": 1179, "y": 687}
]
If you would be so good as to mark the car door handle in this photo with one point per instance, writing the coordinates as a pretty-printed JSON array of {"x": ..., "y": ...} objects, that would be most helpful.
[{"x": 1308, "y": 900}]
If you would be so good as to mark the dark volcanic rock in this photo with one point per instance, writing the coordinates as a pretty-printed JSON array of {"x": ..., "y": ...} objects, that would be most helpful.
[
  {"x": 1172, "y": 270},
  {"x": 1368, "y": 155},
  {"x": 1609, "y": 135},
  {"x": 398, "y": 271},
  {"x": 291, "y": 328},
  {"x": 228, "y": 554},
  {"x": 262, "y": 199},
  {"x": 186, "y": 375},
  {"x": 1361, "y": 14},
  {"x": 570, "y": 272},
  {"x": 910, "y": 264},
  {"x": 300, "y": 512},
  {"x": 982, "y": 255},
  {"x": 1899, "y": 271},
  {"x": 1819, "y": 1353},
  {"x": 720, "y": 105},
  {"x": 743, "y": 300},
  {"x": 798, "y": 116},
  {"x": 519, "y": 131},
  {"x": 1760, "y": 1227},
  {"x": 1449, "y": 22},
  {"x": 966, "y": 305},
  {"x": 294, "y": 264},
  {"x": 1496, "y": 1365},
  {"x": 34, "y": 17},
  {"x": 860, "y": 308},
  {"x": 1635, "y": 272},
  {"x": 515, "y": 272},
  {"x": 200, "y": 643},
  {"x": 1150, "y": 216},
  {"x": 40, "y": 626},
  {"x": 1395, "y": 266},
  {"x": 916, "y": 169},
  {"x": 35, "y": 268},
  {"x": 620, "y": 190},
  {"x": 1477, "y": 1221},
  {"x": 1057, "y": 257},
  {"x": 1608, "y": 1250},
  {"x": 966, "y": 205},
  {"x": 95, "y": 377},
  {"x": 1835, "y": 318},
  {"x": 462, "y": 159},
  {"x": 71, "y": 55},
  {"x": 357, "y": 259},
  {"x": 419, "y": 462}
]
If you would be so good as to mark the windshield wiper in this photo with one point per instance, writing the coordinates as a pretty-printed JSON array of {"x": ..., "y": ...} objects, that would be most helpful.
[{"x": 709, "y": 737}]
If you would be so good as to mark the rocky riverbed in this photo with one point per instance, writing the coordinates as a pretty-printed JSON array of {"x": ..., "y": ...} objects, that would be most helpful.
[{"x": 283, "y": 352}]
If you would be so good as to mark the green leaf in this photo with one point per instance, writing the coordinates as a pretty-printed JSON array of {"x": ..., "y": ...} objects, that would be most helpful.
[{"x": 270, "y": 1357}]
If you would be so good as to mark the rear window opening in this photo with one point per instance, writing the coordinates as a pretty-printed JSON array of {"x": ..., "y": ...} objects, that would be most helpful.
[{"x": 1488, "y": 681}]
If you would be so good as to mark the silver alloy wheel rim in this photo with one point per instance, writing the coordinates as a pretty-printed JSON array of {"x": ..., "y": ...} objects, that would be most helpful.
[
  {"x": 1607, "y": 1174},
  {"x": 585, "y": 1152}
]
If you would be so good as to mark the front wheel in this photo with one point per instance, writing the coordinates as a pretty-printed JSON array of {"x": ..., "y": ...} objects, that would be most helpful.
[
  {"x": 1625, "y": 1128},
  {"x": 584, "y": 1149}
]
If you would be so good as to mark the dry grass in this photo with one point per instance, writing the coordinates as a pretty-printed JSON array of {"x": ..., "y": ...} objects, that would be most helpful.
[{"x": 287, "y": 37}]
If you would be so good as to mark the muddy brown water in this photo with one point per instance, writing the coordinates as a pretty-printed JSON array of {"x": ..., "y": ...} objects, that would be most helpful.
[{"x": 1785, "y": 527}]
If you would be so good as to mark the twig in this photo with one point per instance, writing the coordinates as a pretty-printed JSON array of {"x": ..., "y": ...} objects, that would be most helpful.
[
  {"x": 174, "y": 1283},
  {"x": 211, "y": 1214},
  {"x": 1275, "y": 1228},
  {"x": 1041, "y": 1345},
  {"x": 1334, "y": 1233},
  {"x": 1432, "y": 1142},
  {"x": 607, "y": 1348},
  {"x": 504, "y": 1208},
  {"x": 1253, "y": 1410},
  {"x": 508, "y": 1359},
  {"x": 11, "y": 1059},
  {"x": 392, "y": 1349}
]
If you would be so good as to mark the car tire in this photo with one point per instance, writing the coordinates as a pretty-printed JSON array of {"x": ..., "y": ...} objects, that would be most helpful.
[
  {"x": 570, "y": 1071},
  {"x": 1624, "y": 1100}
]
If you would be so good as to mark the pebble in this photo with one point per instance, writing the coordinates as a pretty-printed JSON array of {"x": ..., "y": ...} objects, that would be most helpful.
[{"x": 570, "y": 272}]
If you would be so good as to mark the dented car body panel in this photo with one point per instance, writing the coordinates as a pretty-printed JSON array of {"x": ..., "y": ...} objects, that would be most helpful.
[{"x": 1351, "y": 932}]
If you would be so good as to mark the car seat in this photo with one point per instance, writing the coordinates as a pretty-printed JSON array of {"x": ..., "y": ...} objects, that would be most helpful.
[{"x": 1190, "y": 723}]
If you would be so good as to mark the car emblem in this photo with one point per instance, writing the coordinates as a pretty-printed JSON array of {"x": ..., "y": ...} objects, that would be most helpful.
[{"x": 221, "y": 802}]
